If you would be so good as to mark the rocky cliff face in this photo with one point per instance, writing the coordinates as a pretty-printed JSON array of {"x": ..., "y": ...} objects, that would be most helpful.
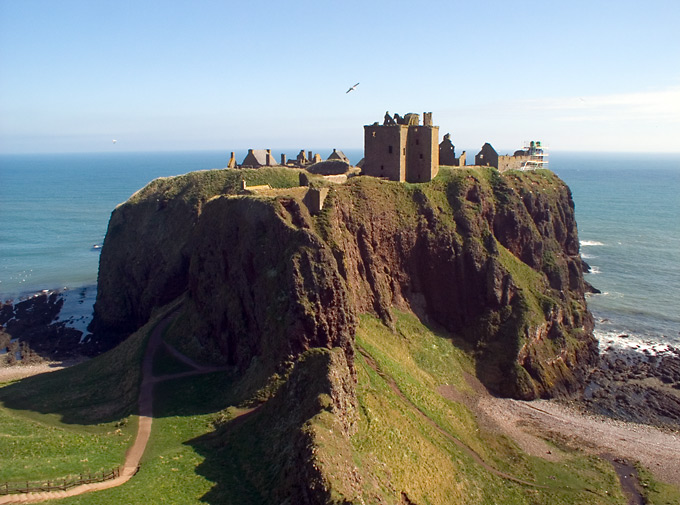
[{"x": 492, "y": 258}]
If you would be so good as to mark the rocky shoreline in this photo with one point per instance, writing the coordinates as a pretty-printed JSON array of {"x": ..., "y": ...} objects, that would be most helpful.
[
  {"x": 636, "y": 386},
  {"x": 48, "y": 326}
]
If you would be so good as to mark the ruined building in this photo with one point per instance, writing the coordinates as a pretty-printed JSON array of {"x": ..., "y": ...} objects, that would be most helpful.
[
  {"x": 487, "y": 157},
  {"x": 401, "y": 149},
  {"x": 447, "y": 153}
]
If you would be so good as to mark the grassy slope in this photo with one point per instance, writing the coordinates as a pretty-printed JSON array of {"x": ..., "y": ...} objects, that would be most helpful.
[
  {"x": 76, "y": 420},
  {"x": 404, "y": 453},
  {"x": 395, "y": 450},
  {"x": 173, "y": 468},
  {"x": 196, "y": 187}
]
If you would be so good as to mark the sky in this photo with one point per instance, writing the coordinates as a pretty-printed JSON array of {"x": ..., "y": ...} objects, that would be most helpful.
[{"x": 594, "y": 75}]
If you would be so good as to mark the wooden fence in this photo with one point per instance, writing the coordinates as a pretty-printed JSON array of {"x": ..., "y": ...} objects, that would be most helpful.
[{"x": 58, "y": 484}]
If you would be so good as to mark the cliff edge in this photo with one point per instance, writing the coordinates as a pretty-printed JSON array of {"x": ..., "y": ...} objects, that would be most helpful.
[{"x": 492, "y": 258}]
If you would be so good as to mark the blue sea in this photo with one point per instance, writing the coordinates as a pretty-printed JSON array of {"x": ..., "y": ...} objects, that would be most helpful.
[{"x": 55, "y": 208}]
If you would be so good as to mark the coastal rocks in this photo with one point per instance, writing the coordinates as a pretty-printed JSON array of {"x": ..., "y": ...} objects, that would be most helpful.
[
  {"x": 637, "y": 387},
  {"x": 30, "y": 331}
]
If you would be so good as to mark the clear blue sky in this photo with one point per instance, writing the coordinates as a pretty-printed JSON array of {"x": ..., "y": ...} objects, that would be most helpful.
[{"x": 178, "y": 75}]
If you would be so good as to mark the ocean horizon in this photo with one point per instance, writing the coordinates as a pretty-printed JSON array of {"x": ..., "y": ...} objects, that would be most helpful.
[{"x": 55, "y": 209}]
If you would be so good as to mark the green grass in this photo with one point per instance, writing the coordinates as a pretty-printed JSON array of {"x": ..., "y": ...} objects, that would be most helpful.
[
  {"x": 403, "y": 452},
  {"x": 655, "y": 492},
  {"x": 174, "y": 469},
  {"x": 395, "y": 449},
  {"x": 196, "y": 187},
  {"x": 77, "y": 420},
  {"x": 73, "y": 421},
  {"x": 34, "y": 449},
  {"x": 103, "y": 389},
  {"x": 167, "y": 364}
]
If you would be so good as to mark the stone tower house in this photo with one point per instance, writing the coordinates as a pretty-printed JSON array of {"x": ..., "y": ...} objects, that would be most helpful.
[{"x": 401, "y": 149}]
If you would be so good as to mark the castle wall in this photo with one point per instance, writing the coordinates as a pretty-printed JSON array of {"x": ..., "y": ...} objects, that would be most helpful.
[
  {"x": 422, "y": 153},
  {"x": 511, "y": 162},
  {"x": 385, "y": 151}
]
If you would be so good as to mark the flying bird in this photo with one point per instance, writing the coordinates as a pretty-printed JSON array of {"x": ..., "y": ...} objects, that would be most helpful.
[
  {"x": 352, "y": 88},
  {"x": 114, "y": 141}
]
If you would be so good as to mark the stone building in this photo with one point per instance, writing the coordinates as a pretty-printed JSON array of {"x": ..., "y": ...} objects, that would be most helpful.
[
  {"x": 338, "y": 155},
  {"x": 401, "y": 149},
  {"x": 447, "y": 153},
  {"x": 487, "y": 157},
  {"x": 259, "y": 158}
]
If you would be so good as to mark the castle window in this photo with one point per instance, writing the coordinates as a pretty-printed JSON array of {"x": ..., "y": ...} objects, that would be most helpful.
[
  {"x": 374, "y": 134},
  {"x": 404, "y": 151},
  {"x": 417, "y": 142},
  {"x": 389, "y": 149},
  {"x": 421, "y": 156}
]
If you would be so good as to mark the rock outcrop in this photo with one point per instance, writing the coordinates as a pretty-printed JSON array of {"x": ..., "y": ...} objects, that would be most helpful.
[{"x": 492, "y": 258}]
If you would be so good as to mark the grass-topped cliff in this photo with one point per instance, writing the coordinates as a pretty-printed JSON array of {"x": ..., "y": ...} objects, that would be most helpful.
[
  {"x": 493, "y": 258},
  {"x": 350, "y": 344}
]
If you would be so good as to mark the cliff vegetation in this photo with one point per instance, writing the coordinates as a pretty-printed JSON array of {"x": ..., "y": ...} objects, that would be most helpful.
[
  {"x": 351, "y": 347},
  {"x": 491, "y": 258},
  {"x": 353, "y": 335}
]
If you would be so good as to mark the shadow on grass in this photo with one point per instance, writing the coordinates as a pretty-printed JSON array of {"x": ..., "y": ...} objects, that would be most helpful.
[
  {"x": 89, "y": 393},
  {"x": 226, "y": 452},
  {"x": 101, "y": 390},
  {"x": 234, "y": 460}
]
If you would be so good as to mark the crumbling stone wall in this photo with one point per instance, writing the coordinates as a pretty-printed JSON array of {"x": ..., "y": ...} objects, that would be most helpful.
[
  {"x": 447, "y": 152},
  {"x": 487, "y": 157}
]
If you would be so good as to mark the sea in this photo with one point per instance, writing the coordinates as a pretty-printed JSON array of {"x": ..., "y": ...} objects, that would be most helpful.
[{"x": 55, "y": 208}]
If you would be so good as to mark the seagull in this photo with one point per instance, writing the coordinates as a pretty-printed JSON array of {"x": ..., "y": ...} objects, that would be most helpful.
[
  {"x": 114, "y": 141},
  {"x": 352, "y": 88}
]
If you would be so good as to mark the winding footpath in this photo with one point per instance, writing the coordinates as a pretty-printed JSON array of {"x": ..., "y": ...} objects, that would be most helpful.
[{"x": 145, "y": 405}]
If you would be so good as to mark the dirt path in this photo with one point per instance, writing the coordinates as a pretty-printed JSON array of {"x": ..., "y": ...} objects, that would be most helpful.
[{"x": 145, "y": 405}]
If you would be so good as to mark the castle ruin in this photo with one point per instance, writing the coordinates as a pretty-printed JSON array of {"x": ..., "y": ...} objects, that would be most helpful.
[{"x": 401, "y": 149}]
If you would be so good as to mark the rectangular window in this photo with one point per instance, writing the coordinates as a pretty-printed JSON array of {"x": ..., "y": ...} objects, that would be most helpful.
[{"x": 389, "y": 149}]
